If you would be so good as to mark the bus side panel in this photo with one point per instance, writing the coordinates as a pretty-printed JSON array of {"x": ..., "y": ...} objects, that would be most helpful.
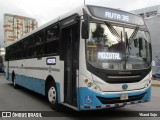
[
  {"x": 34, "y": 84},
  {"x": 32, "y": 74},
  {"x": 59, "y": 92}
]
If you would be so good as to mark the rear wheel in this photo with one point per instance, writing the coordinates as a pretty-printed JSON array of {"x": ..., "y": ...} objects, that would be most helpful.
[{"x": 53, "y": 96}]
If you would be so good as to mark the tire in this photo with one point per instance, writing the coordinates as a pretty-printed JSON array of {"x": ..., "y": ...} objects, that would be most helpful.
[
  {"x": 14, "y": 82},
  {"x": 53, "y": 96}
]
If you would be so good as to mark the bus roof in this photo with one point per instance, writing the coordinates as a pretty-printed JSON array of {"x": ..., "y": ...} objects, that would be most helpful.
[
  {"x": 115, "y": 15},
  {"x": 95, "y": 11}
]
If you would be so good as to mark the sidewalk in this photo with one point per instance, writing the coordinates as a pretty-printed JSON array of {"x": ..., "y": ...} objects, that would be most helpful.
[{"x": 156, "y": 82}]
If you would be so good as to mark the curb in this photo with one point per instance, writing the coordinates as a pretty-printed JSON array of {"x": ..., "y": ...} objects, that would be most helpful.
[{"x": 156, "y": 84}]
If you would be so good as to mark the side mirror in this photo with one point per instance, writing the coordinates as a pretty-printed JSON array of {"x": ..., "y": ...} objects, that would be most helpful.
[{"x": 85, "y": 27}]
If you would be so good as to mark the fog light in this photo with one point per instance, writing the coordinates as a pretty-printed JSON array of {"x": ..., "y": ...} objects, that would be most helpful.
[{"x": 91, "y": 85}]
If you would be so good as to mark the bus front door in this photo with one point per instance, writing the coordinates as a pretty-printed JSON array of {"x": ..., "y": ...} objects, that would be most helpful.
[{"x": 71, "y": 53}]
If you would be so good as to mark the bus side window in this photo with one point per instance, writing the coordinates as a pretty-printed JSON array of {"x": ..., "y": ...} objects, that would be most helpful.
[
  {"x": 6, "y": 55},
  {"x": 30, "y": 41},
  {"x": 20, "y": 50},
  {"x": 51, "y": 45},
  {"x": 52, "y": 33},
  {"x": 49, "y": 35},
  {"x": 38, "y": 51},
  {"x": 25, "y": 45},
  {"x": 16, "y": 51},
  {"x": 29, "y": 46},
  {"x": 39, "y": 37}
]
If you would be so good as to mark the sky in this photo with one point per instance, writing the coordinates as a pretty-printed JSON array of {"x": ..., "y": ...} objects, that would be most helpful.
[{"x": 45, "y": 10}]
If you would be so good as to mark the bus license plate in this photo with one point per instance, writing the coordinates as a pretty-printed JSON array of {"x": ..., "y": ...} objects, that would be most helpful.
[{"x": 124, "y": 97}]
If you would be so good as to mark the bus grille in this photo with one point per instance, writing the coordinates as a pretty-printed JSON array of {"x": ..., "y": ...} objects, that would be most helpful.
[
  {"x": 117, "y": 99},
  {"x": 119, "y": 76}
]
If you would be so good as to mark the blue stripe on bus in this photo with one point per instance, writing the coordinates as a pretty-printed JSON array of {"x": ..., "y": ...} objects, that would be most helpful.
[
  {"x": 58, "y": 92},
  {"x": 78, "y": 98},
  {"x": 88, "y": 97},
  {"x": 34, "y": 84}
]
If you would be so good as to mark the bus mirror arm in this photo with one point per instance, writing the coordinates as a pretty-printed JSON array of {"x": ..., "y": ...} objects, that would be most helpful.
[{"x": 85, "y": 27}]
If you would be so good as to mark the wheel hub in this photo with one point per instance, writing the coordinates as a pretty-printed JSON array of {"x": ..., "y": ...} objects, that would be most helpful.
[{"x": 52, "y": 95}]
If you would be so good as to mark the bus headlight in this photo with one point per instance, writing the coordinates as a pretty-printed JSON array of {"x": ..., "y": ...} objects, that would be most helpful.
[
  {"x": 91, "y": 85},
  {"x": 96, "y": 88}
]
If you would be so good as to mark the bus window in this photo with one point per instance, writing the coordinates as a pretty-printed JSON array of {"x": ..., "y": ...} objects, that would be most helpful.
[
  {"x": 38, "y": 51},
  {"x": 29, "y": 46},
  {"x": 39, "y": 37},
  {"x": 51, "y": 47},
  {"x": 52, "y": 33}
]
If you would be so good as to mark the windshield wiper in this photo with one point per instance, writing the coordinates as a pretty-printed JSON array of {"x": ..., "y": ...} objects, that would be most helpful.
[
  {"x": 113, "y": 31},
  {"x": 127, "y": 42},
  {"x": 134, "y": 33}
]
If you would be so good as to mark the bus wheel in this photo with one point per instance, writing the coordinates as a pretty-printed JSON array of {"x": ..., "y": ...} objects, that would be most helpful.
[{"x": 52, "y": 96}]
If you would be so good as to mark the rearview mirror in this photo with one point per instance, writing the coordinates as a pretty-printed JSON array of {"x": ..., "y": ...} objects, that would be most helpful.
[{"x": 85, "y": 27}]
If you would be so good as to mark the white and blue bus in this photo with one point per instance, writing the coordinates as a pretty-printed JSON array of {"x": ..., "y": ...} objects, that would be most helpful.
[
  {"x": 2, "y": 54},
  {"x": 89, "y": 58}
]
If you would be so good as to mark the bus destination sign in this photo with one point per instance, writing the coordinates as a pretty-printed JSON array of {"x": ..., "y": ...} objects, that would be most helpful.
[{"x": 115, "y": 15}]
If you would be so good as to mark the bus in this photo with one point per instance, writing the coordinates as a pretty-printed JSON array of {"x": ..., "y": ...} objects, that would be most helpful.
[
  {"x": 89, "y": 58},
  {"x": 1, "y": 64},
  {"x": 2, "y": 53}
]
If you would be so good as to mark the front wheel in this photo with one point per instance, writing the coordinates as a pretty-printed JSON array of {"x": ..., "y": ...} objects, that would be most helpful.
[{"x": 52, "y": 96}]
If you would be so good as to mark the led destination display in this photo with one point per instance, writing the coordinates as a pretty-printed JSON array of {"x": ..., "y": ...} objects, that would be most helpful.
[
  {"x": 116, "y": 15},
  {"x": 109, "y": 56}
]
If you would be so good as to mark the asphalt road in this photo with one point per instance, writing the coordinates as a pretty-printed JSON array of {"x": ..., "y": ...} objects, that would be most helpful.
[{"x": 24, "y": 100}]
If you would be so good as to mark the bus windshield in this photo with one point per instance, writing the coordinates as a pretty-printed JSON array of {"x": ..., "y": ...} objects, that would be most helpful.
[{"x": 118, "y": 48}]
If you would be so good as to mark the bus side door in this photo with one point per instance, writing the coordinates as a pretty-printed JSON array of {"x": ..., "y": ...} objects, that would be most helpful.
[{"x": 70, "y": 39}]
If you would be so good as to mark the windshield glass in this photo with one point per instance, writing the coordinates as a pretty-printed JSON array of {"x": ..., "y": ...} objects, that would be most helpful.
[
  {"x": 137, "y": 49},
  {"x": 117, "y": 48}
]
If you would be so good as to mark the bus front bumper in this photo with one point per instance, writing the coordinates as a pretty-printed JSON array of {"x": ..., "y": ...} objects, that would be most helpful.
[{"x": 91, "y": 100}]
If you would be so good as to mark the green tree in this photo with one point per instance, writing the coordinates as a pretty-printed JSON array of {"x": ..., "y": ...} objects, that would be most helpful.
[{"x": 101, "y": 38}]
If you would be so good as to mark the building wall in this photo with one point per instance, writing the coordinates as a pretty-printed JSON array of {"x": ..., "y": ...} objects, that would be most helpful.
[
  {"x": 17, "y": 26},
  {"x": 148, "y": 12},
  {"x": 151, "y": 16}
]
